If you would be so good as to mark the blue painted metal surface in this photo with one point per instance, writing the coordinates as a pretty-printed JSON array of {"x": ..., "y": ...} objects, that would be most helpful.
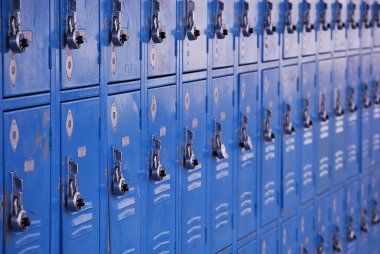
[{"x": 306, "y": 231}]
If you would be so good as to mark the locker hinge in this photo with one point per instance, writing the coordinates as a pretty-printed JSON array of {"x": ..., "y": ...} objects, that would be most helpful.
[
  {"x": 99, "y": 54},
  {"x": 50, "y": 58}
]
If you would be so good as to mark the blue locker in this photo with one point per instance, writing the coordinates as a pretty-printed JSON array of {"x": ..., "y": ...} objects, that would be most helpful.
[
  {"x": 375, "y": 18},
  {"x": 79, "y": 53},
  {"x": 307, "y": 22},
  {"x": 365, "y": 215},
  {"x": 338, "y": 222},
  {"x": 322, "y": 130},
  {"x": 306, "y": 231},
  {"x": 222, "y": 135},
  {"x": 194, "y": 35},
  {"x": 161, "y": 142},
  {"x": 269, "y": 17},
  {"x": 322, "y": 235},
  {"x": 270, "y": 154},
  {"x": 248, "y": 15},
  {"x": 122, "y": 37},
  {"x": 338, "y": 24},
  {"x": 365, "y": 24},
  {"x": 337, "y": 131},
  {"x": 352, "y": 134},
  {"x": 289, "y": 110},
  {"x": 80, "y": 176},
  {"x": 269, "y": 242},
  {"x": 246, "y": 196},
  {"x": 161, "y": 36},
  {"x": 124, "y": 168},
  {"x": 375, "y": 114},
  {"x": 26, "y": 39},
  {"x": 193, "y": 168},
  {"x": 374, "y": 212},
  {"x": 288, "y": 237},
  {"x": 307, "y": 102},
  {"x": 352, "y": 23},
  {"x": 221, "y": 23},
  {"x": 366, "y": 110},
  {"x": 249, "y": 248},
  {"x": 352, "y": 217},
  {"x": 289, "y": 16},
  {"x": 27, "y": 164},
  {"x": 323, "y": 25}
]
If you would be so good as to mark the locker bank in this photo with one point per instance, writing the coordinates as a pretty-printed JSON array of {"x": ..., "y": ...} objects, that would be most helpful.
[{"x": 190, "y": 126}]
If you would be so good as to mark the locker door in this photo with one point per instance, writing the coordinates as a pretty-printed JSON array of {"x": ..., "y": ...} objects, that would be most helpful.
[
  {"x": 375, "y": 114},
  {"x": 223, "y": 136},
  {"x": 270, "y": 161},
  {"x": 307, "y": 22},
  {"x": 376, "y": 22},
  {"x": 246, "y": 197},
  {"x": 365, "y": 215},
  {"x": 374, "y": 211},
  {"x": 306, "y": 231},
  {"x": 124, "y": 166},
  {"x": 194, "y": 35},
  {"x": 307, "y": 140},
  {"x": 323, "y": 26},
  {"x": 338, "y": 222},
  {"x": 161, "y": 16},
  {"x": 122, "y": 37},
  {"x": 193, "y": 168},
  {"x": 270, "y": 15},
  {"x": 80, "y": 42},
  {"x": 352, "y": 121},
  {"x": 338, "y": 24},
  {"x": 365, "y": 24},
  {"x": 352, "y": 217},
  {"x": 322, "y": 126},
  {"x": 160, "y": 223},
  {"x": 250, "y": 248},
  {"x": 80, "y": 176},
  {"x": 27, "y": 164},
  {"x": 353, "y": 18},
  {"x": 366, "y": 109},
  {"x": 248, "y": 11},
  {"x": 288, "y": 237},
  {"x": 290, "y": 139},
  {"x": 289, "y": 19},
  {"x": 338, "y": 99},
  {"x": 26, "y": 44},
  {"x": 322, "y": 236},
  {"x": 269, "y": 242}
]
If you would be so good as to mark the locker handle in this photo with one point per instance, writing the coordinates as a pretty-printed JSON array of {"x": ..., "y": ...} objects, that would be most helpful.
[
  {"x": 289, "y": 128},
  {"x": 219, "y": 150},
  {"x": 74, "y": 200},
  {"x": 376, "y": 14},
  {"x": 306, "y": 16},
  {"x": 374, "y": 215},
  {"x": 268, "y": 134},
  {"x": 306, "y": 119},
  {"x": 158, "y": 33},
  {"x": 365, "y": 8},
  {"x": 119, "y": 185},
  {"x": 190, "y": 161},
  {"x": 338, "y": 15},
  {"x": 323, "y": 16},
  {"x": 290, "y": 27},
  {"x": 157, "y": 171},
  {"x": 245, "y": 141},
  {"x": 337, "y": 245},
  {"x": 351, "y": 236},
  {"x": 363, "y": 222},
  {"x": 376, "y": 96},
  {"x": 351, "y": 100},
  {"x": 338, "y": 109},
  {"x": 18, "y": 40},
  {"x": 323, "y": 115},
  {"x": 191, "y": 29},
  {"x": 19, "y": 218},
  {"x": 321, "y": 242},
  {"x": 220, "y": 28},
  {"x": 351, "y": 15},
  {"x": 119, "y": 35},
  {"x": 269, "y": 27},
  {"x": 366, "y": 101},
  {"x": 74, "y": 37},
  {"x": 246, "y": 29}
]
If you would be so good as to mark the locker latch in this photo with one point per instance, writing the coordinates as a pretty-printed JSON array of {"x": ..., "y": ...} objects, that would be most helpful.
[
  {"x": 268, "y": 133},
  {"x": 376, "y": 96},
  {"x": 19, "y": 219},
  {"x": 366, "y": 98},
  {"x": 245, "y": 141},
  {"x": 337, "y": 245},
  {"x": 338, "y": 109},
  {"x": 351, "y": 100},
  {"x": 289, "y": 128},
  {"x": 321, "y": 243},
  {"x": 192, "y": 32},
  {"x": 351, "y": 236},
  {"x": 365, "y": 8},
  {"x": 351, "y": 15},
  {"x": 338, "y": 15},
  {"x": 74, "y": 200},
  {"x": 290, "y": 27},
  {"x": 246, "y": 29},
  {"x": 323, "y": 115},
  {"x": 119, "y": 34},
  {"x": 304, "y": 250},
  {"x": 220, "y": 27},
  {"x": 376, "y": 14},
  {"x": 269, "y": 27},
  {"x": 158, "y": 33},
  {"x": 306, "y": 6},
  {"x": 74, "y": 37},
  {"x": 119, "y": 185},
  {"x": 157, "y": 171},
  {"x": 190, "y": 161},
  {"x": 374, "y": 215},
  {"x": 306, "y": 119},
  {"x": 363, "y": 221},
  {"x": 219, "y": 149},
  {"x": 323, "y": 16},
  {"x": 18, "y": 40}
]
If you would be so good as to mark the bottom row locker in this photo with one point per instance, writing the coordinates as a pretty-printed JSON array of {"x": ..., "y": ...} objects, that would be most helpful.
[
  {"x": 269, "y": 243},
  {"x": 288, "y": 236},
  {"x": 306, "y": 231}
]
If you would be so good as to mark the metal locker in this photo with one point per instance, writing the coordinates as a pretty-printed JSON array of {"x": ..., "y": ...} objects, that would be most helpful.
[
  {"x": 160, "y": 32},
  {"x": 352, "y": 217},
  {"x": 323, "y": 25},
  {"x": 248, "y": 16},
  {"x": 80, "y": 175},
  {"x": 270, "y": 153},
  {"x": 193, "y": 168},
  {"x": 306, "y": 231},
  {"x": 269, "y": 242},
  {"x": 289, "y": 124},
  {"x": 222, "y": 136},
  {"x": 322, "y": 240},
  {"x": 366, "y": 110},
  {"x": 338, "y": 223},
  {"x": 124, "y": 172},
  {"x": 221, "y": 22},
  {"x": 288, "y": 236},
  {"x": 338, "y": 116},
  {"x": 194, "y": 35},
  {"x": 322, "y": 130},
  {"x": 365, "y": 215},
  {"x": 352, "y": 23},
  {"x": 375, "y": 114},
  {"x": 79, "y": 52},
  {"x": 289, "y": 18},
  {"x": 121, "y": 34},
  {"x": 365, "y": 24},
  {"x": 374, "y": 212},
  {"x": 307, "y": 102},
  {"x": 27, "y": 164},
  {"x": 249, "y": 248},
  {"x": 161, "y": 142},
  {"x": 338, "y": 24},
  {"x": 248, "y": 116},
  {"x": 352, "y": 134},
  {"x": 270, "y": 15},
  {"x": 26, "y": 42},
  {"x": 307, "y": 24},
  {"x": 376, "y": 22}
]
